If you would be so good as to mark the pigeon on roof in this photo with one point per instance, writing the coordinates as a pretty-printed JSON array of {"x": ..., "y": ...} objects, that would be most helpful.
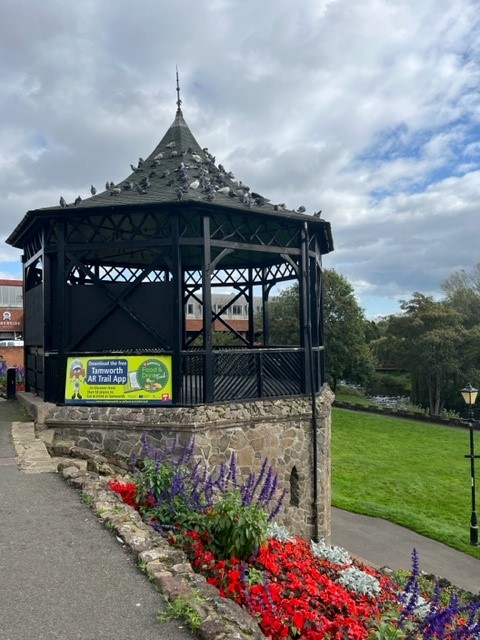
[{"x": 179, "y": 168}]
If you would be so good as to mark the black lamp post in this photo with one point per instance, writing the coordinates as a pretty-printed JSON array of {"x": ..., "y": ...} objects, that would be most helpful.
[{"x": 470, "y": 395}]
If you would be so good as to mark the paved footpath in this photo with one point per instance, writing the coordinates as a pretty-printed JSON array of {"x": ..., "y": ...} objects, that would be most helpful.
[
  {"x": 383, "y": 544},
  {"x": 62, "y": 574}
]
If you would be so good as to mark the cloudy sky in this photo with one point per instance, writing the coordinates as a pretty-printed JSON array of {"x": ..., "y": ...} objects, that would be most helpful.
[{"x": 366, "y": 109}]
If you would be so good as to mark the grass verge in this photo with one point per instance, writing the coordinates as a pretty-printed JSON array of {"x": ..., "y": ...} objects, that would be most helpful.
[
  {"x": 411, "y": 473},
  {"x": 344, "y": 396}
]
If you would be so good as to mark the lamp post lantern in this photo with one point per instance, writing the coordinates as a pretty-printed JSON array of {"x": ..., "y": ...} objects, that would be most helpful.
[{"x": 469, "y": 394}]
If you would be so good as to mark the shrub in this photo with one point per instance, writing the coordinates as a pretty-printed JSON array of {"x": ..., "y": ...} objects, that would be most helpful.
[
  {"x": 386, "y": 384},
  {"x": 351, "y": 390},
  {"x": 234, "y": 529},
  {"x": 175, "y": 493}
]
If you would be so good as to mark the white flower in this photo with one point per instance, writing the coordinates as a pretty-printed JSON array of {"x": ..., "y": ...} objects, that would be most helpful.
[
  {"x": 337, "y": 555},
  {"x": 279, "y": 532},
  {"x": 359, "y": 581}
]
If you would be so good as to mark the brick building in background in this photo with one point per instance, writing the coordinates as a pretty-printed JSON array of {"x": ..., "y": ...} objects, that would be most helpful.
[
  {"x": 11, "y": 323},
  {"x": 235, "y": 314}
]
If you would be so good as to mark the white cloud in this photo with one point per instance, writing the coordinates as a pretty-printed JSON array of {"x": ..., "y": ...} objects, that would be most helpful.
[{"x": 369, "y": 111}]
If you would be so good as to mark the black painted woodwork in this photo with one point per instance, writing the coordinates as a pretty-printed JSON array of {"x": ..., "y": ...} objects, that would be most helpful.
[{"x": 115, "y": 273}]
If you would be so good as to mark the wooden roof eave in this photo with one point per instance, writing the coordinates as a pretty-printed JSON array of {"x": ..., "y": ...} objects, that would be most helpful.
[{"x": 33, "y": 220}]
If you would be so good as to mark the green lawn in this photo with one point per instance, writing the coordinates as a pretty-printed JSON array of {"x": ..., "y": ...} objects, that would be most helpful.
[
  {"x": 353, "y": 398},
  {"x": 408, "y": 472}
]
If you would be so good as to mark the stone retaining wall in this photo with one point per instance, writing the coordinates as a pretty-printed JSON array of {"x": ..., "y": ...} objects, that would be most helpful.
[
  {"x": 277, "y": 429},
  {"x": 168, "y": 568}
]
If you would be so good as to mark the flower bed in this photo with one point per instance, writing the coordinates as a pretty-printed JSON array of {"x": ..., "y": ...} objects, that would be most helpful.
[
  {"x": 294, "y": 589},
  {"x": 291, "y": 592}
]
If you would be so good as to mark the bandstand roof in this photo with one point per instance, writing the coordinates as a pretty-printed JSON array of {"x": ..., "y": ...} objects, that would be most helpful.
[{"x": 177, "y": 172}]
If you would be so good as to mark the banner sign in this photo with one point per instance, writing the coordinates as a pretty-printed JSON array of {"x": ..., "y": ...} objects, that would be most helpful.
[
  {"x": 112, "y": 379},
  {"x": 11, "y": 320}
]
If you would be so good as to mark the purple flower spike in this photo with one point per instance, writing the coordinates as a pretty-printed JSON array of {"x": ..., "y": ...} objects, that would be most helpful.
[
  {"x": 278, "y": 506},
  {"x": 133, "y": 461},
  {"x": 232, "y": 472}
]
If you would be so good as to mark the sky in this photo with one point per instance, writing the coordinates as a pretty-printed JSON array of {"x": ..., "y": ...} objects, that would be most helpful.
[{"x": 368, "y": 110}]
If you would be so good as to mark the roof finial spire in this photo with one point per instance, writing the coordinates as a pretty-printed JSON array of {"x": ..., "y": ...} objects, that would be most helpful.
[{"x": 179, "y": 102}]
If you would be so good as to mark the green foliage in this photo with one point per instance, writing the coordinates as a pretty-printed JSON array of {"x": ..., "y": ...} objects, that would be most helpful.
[
  {"x": 429, "y": 587},
  {"x": 235, "y": 529},
  {"x": 346, "y": 393},
  {"x": 437, "y": 342},
  {"x": 183, "y": 608},
  {"x": 467, "y": 303},
  {"x": 340, "y": 396},
  {"x": 462, "y": 280},
  {"x": 174, "y": 493},
  {"x": 157, "y": 498},
  {"x": 372, "y": 331},
  {"x": 429, "y": 341},
  {"x": 431, "y": 595},
  {"x": 226, "y": 339},
  {"x": 253, "y": 576},
  {"x": 285, "y": 318},
  {"x": 347, "y": 354},
  {"x": 387, "y": 384},
  {"x": 385, "y": 628},
  {"x": 221, "y": 339},
  {"x": 349, "y": 390}
]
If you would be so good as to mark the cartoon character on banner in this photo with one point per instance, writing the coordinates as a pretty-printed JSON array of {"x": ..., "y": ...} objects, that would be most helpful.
[{"x": 77, "y": 376}]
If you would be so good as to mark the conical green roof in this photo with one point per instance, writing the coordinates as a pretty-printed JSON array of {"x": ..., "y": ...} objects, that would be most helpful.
[{"x": 177, "y": 169}]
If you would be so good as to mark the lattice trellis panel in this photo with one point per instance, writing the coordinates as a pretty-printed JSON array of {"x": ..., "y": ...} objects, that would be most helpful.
[
  {"x": 112, "y": 227},
  {"x": 281, "y": 272},
  {"x": 248, "y": 229}
]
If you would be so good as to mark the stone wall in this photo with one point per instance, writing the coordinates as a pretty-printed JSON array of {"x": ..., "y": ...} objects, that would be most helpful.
[{"x": 277, "y": 429}]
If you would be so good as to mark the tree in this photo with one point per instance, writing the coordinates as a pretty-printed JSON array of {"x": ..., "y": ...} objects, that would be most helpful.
[
  {"x": 347, "y": 353},
  {"x": 430, "y": 341},
  {"x": 462, "y": 279},
  {"x": 462, "y": 292},
  {"x": 284, "y": 317}
]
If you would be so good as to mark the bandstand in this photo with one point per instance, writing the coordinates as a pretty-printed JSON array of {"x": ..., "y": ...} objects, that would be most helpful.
[
  {"x": 112, "y": 275},
  {"x": 108, "y": 280}
]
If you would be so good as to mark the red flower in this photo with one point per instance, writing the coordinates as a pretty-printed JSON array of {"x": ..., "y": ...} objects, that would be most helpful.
[
  {"x": 296, "y": 594},
  {"x": 127, "y": 490},
  {"x": 298, "y": 597}
]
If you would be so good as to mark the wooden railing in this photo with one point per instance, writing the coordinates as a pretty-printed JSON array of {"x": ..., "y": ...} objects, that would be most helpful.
[
  {"x": 240, "y": 374},
  {"x": 226, "y": 374}
]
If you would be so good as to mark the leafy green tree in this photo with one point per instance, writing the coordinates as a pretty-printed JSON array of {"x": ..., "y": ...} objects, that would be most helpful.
[
  {"x": 372, "y": 331},
  {"x": 285, "y": 317},
  {"x": 431, "y": 342},
  {"x": 347, "y": 353},
  {"x": 462, "y": 279},
  {"x": 462, "y": 292}
]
